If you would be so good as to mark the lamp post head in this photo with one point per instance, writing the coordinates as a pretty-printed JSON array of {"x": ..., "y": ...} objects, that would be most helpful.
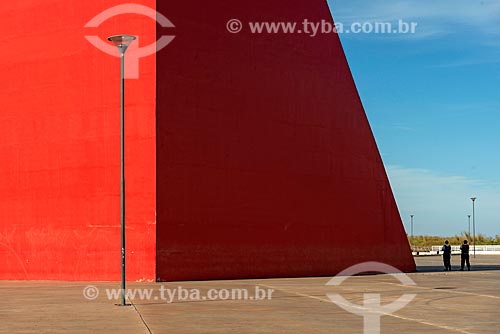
[
  {"x": 122, "y": 41},
  {"x": 473, "y": 199}
]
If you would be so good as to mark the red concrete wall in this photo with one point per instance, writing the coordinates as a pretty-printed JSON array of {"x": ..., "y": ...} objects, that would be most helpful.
[
  {"x": 266, "y": 164},
  {"x": 59, "y": 145}
]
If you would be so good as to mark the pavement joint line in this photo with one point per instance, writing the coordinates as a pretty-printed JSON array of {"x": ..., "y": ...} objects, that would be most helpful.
[
  {"x": 449, "y": 328},
  {"x": 140, "y": 316},
  {"x": 445, "y": 290}
]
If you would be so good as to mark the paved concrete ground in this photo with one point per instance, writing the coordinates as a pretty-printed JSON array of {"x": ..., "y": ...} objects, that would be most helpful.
[{"x": 445, "y": 302}]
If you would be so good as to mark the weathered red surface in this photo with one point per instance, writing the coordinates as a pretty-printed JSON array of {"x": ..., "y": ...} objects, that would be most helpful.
[
  {"x": 266, "y": 164},
  {"x": 59, "y": 145}
]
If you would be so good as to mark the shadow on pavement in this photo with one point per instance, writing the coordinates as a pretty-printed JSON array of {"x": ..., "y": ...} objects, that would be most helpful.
[{"x": 479, "y": 267}]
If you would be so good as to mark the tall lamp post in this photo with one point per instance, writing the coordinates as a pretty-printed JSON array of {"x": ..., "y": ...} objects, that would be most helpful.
[
  {"x": 411, "y": 225},
  {"x": 469, "y": 223},
  {"x": 122, "y": 42},
  {"x": 473, "y": 199}
]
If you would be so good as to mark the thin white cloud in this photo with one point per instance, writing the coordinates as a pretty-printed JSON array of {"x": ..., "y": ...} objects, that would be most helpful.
[
  {"x": 469, "y": 62},
  {"x": 434, "y": 17},
  {"x": 442, "y": 202},
  {"x": 402, "y": 127}
]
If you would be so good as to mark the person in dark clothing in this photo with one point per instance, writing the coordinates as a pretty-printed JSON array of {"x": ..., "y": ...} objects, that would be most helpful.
[
  {"x": 446, "y": 256},
  {"x": 465, "y": 255}
]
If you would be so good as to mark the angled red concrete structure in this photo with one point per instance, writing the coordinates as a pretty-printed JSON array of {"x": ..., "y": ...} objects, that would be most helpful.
[
  {"x": 266, "y": 164},
  {"x": 247, "y": 155}
]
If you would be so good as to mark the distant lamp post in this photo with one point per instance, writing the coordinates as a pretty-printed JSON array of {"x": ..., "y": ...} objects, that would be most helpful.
[
  {"x": 412, "y": 225},
  {"x": 469, "y": 223},
  {"x": 473, "y": 199},
  {"x": 122, "y": 42}
]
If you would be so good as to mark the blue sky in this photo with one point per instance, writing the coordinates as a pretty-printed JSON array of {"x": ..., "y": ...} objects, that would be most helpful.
[{"x": 433, "y": 100}]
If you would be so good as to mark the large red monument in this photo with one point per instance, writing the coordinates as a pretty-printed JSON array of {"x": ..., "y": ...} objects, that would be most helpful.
[{"x": 248, "y": 155}]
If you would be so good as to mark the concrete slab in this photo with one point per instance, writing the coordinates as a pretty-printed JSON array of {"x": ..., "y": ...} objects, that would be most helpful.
[
  {"x": 59, "y": 307},
  {"x": 445, "y": 302}
]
